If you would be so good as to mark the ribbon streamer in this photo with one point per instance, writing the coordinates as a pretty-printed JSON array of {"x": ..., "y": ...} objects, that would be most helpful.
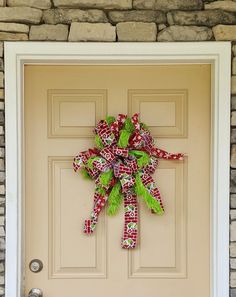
[{"x": 121, "y": 165}]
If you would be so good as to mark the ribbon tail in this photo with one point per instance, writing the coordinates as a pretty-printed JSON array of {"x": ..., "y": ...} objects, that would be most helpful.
[
  {"x": 165, "y": 155},
  {"x": 157, "y": 195},
  {"x": 99, "y": 202},
  {"x": 130, "y": 232}
]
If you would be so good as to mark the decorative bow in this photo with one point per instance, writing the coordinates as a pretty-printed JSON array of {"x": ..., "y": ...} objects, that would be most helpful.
[{"x": 121, "y": 165}]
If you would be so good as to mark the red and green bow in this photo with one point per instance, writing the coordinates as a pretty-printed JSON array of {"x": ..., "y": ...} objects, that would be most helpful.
[{"x": 121, "y": 165}]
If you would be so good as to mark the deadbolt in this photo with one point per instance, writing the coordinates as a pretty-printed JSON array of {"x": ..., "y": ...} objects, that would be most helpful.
[
  {"x": 36, "y": 265},
  {"x": 35, "y": 292}
]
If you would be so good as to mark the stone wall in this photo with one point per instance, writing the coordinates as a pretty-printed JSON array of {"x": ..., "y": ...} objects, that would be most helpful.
[{"x": 119, "y": 20}]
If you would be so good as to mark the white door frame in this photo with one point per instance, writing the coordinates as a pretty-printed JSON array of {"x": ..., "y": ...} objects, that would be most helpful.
[{"x": 18, "y": 54}]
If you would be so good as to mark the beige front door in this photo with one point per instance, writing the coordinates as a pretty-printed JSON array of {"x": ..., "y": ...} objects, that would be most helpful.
[{"x": 62, "y": 105}]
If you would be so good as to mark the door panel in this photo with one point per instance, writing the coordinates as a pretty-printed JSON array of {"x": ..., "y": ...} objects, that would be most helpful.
[
  {"x": 169, "y": 257},
  {"x": 62, "y": 105},
  {"x": 66, "y": 212}
]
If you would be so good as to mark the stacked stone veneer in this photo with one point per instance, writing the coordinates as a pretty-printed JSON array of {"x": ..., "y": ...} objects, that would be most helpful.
[{"x": 119, "y": 20}]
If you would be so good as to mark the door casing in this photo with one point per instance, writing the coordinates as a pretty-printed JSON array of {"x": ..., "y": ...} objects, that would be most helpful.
[{"x": 18, "y": 54}]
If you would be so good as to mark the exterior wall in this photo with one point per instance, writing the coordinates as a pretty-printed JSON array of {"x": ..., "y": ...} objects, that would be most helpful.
[{"x": 119, "y": 20}]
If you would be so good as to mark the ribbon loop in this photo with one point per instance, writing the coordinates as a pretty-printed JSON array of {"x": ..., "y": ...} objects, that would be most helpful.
[
  {"x": 105, "y": 133},
  {"x": 122, "y": 152},
  {"x": 120, "y": 169},
  {"x": 107, "y": 153}
]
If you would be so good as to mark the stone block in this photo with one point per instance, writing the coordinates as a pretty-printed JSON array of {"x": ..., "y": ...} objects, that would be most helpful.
[
  {"x": 233, "y": 293},
  {"x": 233, "y": 201},
  {"x": 233, "y": 263},
  {"x": 2, "y": 165},
  {"x": 208, "y": 18},
  {"x": 2, "y": 140},
  {"x": 233, "y": 85},
  {"x": 234, "y": 66},
  {"x": 1, "y": 54},
  {"x": 185, "y": 33},
  {"x": 1, "y": 69},
  {"x": 233, "y": 102},
  {"x": 1, "y": 76},
  {"x": 222, "y": 4},
  {"x": 168, "y": 5},
  {"x": 1, "y": 267},
  {"x": 106, "y": 4},
  {"x": 161, "y": 27},
  {"x": 2, "y": 256},
  {"x": 20, "y": 15},
  {"x": 225, "y": 32},
  {"x": 41, "y": 4},
  {"x": 144, "y": 4},
  {"x": 148, "y": 16},
  {"x": 2, "y": 189},
  {"x": 233, "y": 249},
  {"x": 233, "y": 231},
  {"x": 233, "y": 279},
  {"x": 92, "y": 32},
  {"x": 233, "y": 181},
  {"x": 2, "y": 152},
  {"x": 1, "y": 130},
  {"x": 2, "y": 178},
  {"x": 2, "y": 233},
  {"x": 233, "y": 156},
  {"x": 233, "y": 214},
  {"x": 2, "y": 280},
  {"x": 49, "y": 32},
  {"x": 2, "y": 95},
  {"x": 6, "y": 36},
  {"x": 233, "y": 118},
  {"x": 67, "y": 16},
  {"x": 1, "y": 117},
  {"x": 2, "y": 244},
  {"x": 13, "y": 27},
  {"x": 136, "y": 31}
]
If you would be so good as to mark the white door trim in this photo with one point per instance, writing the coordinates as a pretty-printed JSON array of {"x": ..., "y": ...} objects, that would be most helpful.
[{"x": 18, "y": 54}]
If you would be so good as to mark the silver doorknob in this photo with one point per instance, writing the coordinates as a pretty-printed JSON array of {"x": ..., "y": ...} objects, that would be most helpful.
[{"x": 35, "y": 292}]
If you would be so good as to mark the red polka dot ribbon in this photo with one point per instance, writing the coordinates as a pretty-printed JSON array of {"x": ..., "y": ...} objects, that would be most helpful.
[{"x": 121, "y": 165}]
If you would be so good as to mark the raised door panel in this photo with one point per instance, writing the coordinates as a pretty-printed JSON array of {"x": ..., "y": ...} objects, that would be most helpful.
[
  {"x": 74, "y": 113},
  {"x": 164, "y": 111},
  {"x": 162, "y": 251},
  {"x": 71, "y": 253}
]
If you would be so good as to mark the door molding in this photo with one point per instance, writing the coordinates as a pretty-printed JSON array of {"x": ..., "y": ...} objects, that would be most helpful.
[{"x": 18, "y": 54}]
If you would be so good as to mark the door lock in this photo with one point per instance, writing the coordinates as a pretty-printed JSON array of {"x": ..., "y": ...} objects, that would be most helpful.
[
  {"x": 35, "y": 292},
  {"x": 36, "y": 265}
]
